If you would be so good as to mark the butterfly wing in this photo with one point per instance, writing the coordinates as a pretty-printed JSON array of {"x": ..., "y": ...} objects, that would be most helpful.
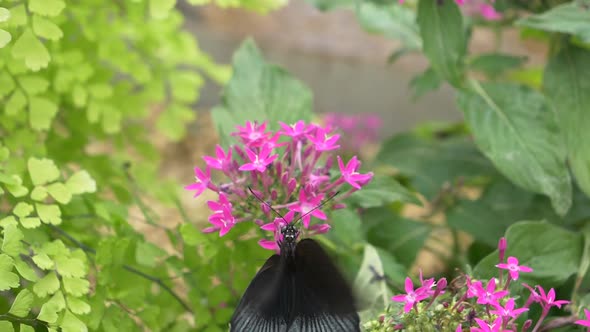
[
  {"x": 261, "y": 307},
  {"x": 323, "y": 299}
]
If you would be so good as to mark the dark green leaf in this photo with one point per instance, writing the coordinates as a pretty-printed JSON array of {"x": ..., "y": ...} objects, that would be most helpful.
[
  {"x": 383, "y": 190},
  {"x": 567, "y": 18},
  {"x": 425, "y": 82},
  {"x": 495, "y": 64}
]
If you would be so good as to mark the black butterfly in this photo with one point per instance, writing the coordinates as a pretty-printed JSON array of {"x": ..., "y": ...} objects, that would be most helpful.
[{"x": 300, "y": 290}]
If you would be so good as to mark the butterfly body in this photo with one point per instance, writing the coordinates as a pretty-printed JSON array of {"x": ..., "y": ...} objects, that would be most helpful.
[{"x": 300, "y": 290}]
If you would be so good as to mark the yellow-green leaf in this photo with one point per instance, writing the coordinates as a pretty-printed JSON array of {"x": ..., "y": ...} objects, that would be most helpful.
[
  {"x": 46, "y": 285},
  {"x": 5, "y": 38},
  {"x": 22, "y": 209},
  {"x": 4, "y": 14},
  {"x": 59, "y": 192},
  {"x": 49, "y": 213},
  {"x": 39, "y": 193},
  {"x": 77, "y": 306},
  {"x": 44, "y": 28},
  {"x": 8, "y": 279},
  {"x": 43, "y": 261},
  {"x": 30, "y": 222},
  {"x": 81, "y": 182},
  {"x": 76, "y": 286},
  {"x": 33, "y": 84},
  {"x": 30, "y": 49},
  {"x": 41, "y": 112},
  {"x": 47, "y": 7},
  {"x": 22, "y": 303},
  {"x": 159, "y": 9},
  {"x": 16, "y": 103},
  {"x": 71, "y": 323},
  {"x": 42, "y": 170},
  {"x": 12, "y": 244},
  {"x": 25, "y": 270}
]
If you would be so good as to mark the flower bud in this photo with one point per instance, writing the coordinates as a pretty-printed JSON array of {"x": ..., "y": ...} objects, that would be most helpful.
[{"x": 501, "y": 249}]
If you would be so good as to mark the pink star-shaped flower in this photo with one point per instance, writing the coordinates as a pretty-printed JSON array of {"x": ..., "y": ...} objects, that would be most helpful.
[
  {"x": 411, "y": 297},
  {"x": 307, "y": 203},
  {"x": 259, "y": 161},
  {"x": 508, "y": 309},
  {"x": 473, "y": 288},
  {"x": 203, "y": 180},
  {"x": 350, "y": 174},
  {"x": 489, "y": 294},
  {"x": 513, "y": 267},
  {"x": 585, "y": 322},
  {"x": 252, "y": 135},
  {"x": 297, "y": 131},
  {"x": 495, "y": 326},
  {"x": 548, "y": 299},
  {"x": 223, "y": 221},
  {"x": 322, "y": 141},
  {"x": 222, "y": 160}
]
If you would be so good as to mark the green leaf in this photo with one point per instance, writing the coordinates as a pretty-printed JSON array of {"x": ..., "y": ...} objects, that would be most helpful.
[
  {"x": 375, "y": 293},
  {"x": 10, "y": 220},
  {"x": 26, "y": 328},
  {"x": 22, "y": 209},
  {"x": 346, "y": 228},
  {"x": 43, "y": 261},
  {"x": 39, "y": 194},
  {"x": 443, "y": 37},
  {"x": 30, "y": 49},
  {"x": 147, "y": 254},
  {"x": 5, "y": 38},
  {"x": 6, "y": 326},
  {"x": 76, "y": 286},
  {"x": 77, "y": 306},
  {"x": 515, "y": 129},
  {"x": 185, "y": 86},
  {"x": 392, "y": 21},
  {"x": 6, "y": 84},
  {"x": 399, "y": 236},
  {"x": 4, "y": 14},
  {"x": 191, "y": 235},
  {"x": 59, "y": 192},
  {"x": 25, "y": 270},
  {"x": 46, "y": 285},
  {"x": 159, "y": 9},
  {"x": 41, "y": 112},
  {"x": 566, "y": 18},
  {"x": 42, "y": 170},
  {"x": 111, "y": 121},
  {"x": 425, "y": 82},
  {"x": 567, "y": 82},
  {"x": 47, "y": 7},
  {"x": 434, "y": 163},
  {"x": 79, "y": 96},
  {"x": 70, "y": 267},
  {"x": 49, "y": 213},
  {"x": 260, "y": 92},
  {"x": 44, "y": 28},
  {"x": 18, "y": 16},
  {"x": 58, "y": 301},
  {"x": 383, "y": 190},
  {"x": 22, "y": 304},
  {"x": 8, "y": 279},
  {"x": 81, "y": 182},
  {"x": 173, "y": 121},
  {"x": 30, "y": 222},
  {"x": 33, "y": 84},
  {"x": 12, "y": 244},
  {"x": 495, "y": 64},
  {"x": 16, "y": 103},
  {"x": 551, "y": 251},
  {"x": 48, "y": 313}
]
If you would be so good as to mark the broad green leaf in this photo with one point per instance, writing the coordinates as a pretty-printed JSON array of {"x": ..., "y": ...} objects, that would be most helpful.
[
  {"x": 495, "y": 64},
  {"x": 49, "y": 213},
  {"x": 70, "y": 267},
  {"x": 46, "y": 285},
  {"x": 374, "y": 292},
  {"x": 41, "y": 112},
  {"x": 77, "y": 306},
  {"x": 383, "y": 190},
  {"x": 44, "y": 28},
  {"x": 400, "y": 236},
  {"x": 25, "y": 270},
  {"x": 8, "y": 279},
  {"x": 33, "y": 84},
  {"x": 48, "y": 313},
  {"x": 42, "y": 170},
  {"x": 159, "y": 9},
  {"x": 6, "y": 326},
  {"x": 425, "y": 82},
  {"x": 260, "y": 92},
  {"x": 81, "y": 182},
  {"x": 516, "y": 130},
  {"x": 47, "y": 7},
  {"x": 567, "y": 82},
  {"x": 553, "y": 252},
  {"x": 191, "y": 235},
  {"x": 39, "y": 193},
  {"x": 30, "y": 222},
  {"x": 43, "y": 261},
  {"x": 346, "y": 228},
  {"x": 4, "y": 14},
  {"x": 443, "y": 38},
  {"x": 30, "y": 49},
  {"x": 12, "y": 245},
  {"x": 16, "y": 103},
  {"x": 22, "y": 303},
  {"x": 5, "y": 38},
  {"x": 58, "y": 301},
  {"x": 59, "y": 192},
  {"x": 392, "y": 21},
  {"x": 76, "y": 286},
  {"x": 433, "y": 164},
  {"x": 567, "y": 18},
  {"x": 22, "y": 209}
]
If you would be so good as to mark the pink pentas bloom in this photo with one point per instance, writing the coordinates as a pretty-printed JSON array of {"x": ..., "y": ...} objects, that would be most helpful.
[
  {"x": 350, "y": 174},
  {"x": 484, "y": 326},
  {"x": 489, "y": 295},
  {"x": 473, "y": 288},
  {"x": 585, "y": 322},
  {"x": 489, "y": 12},
  {"x": 513, "y": 267},
  {"x": 288, "y": 170},
  {"x": 259, "y": 161},
  {"x": 548, "y": 299},
  {"x": 411, "y": 297},
  {"x": 507, "y": 311}
]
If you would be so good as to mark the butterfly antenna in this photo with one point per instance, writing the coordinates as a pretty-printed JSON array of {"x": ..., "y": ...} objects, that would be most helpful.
[
  {"x": 319, "y": 206},
  {"x": 266, "y": 203}
]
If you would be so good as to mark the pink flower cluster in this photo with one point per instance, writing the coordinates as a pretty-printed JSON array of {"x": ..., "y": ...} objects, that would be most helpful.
[
  {"x": 290, "y": 169},
  {"x": 358, "y": 130},
  {"x": 497, "y": 309},
  {"x": 478, "y": 7}
]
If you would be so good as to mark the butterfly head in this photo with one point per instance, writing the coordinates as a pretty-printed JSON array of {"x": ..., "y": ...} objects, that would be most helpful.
[{"x": 289, "y": 233}]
